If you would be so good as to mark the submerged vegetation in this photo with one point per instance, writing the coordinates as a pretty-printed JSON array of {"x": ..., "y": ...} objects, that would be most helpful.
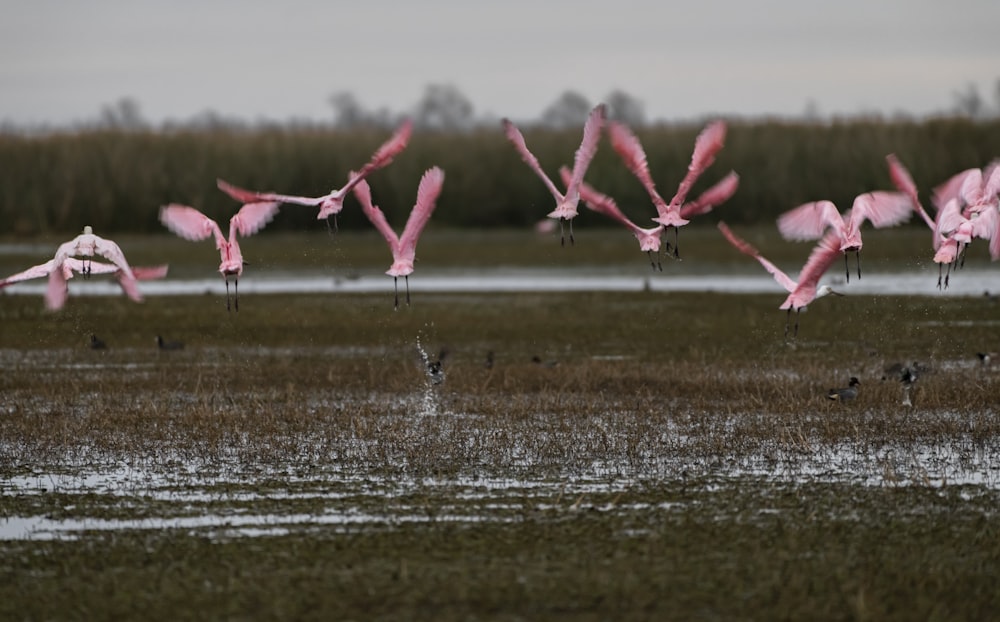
[
  {"x": 116, "y": 180},
  {"x": 588, "y": 455}
]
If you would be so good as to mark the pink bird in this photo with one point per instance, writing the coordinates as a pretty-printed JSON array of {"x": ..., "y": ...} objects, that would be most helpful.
[
  {"x": 404, "y": 248},
  {"x": 810, "y": 220},
  {"x": 650, "y": 238},
  {"x": 566, "y": 204},
  {"x": 707, "y": 145},
  {"x": 190, "y": 224},
  {"x": 803, "y": 292},
  {"x": 331, "y": 204},
  {"x": 57, "y": 291},
  {"x": 953, "y": 228}
]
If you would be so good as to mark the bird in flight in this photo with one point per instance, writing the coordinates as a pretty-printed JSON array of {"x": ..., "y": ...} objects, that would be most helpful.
[
  {"x": 190, "y": 224},
  {"x": 332, "y": 203},
  {"x": 566, "y": 202},
  {"x": 404, "y": 247}
]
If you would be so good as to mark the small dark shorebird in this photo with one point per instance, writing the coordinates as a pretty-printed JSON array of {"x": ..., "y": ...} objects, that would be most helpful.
[
  {"x": 846, "y": 394},
  {"x": 97, "y": 344},
  {"x": 434, "y": 368},
  {"x": 168, "y": 345}
]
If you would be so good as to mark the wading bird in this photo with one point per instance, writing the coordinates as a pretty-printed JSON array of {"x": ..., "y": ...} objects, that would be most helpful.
[
  {"x": 58, "y": 290},
  {"x": 846, "y": 394},
  {"x": 803, "y": 292},
  {"x": 650, "y": 238},
  {"x": 404, "y": 247},
  {"x": 190, "y": 224},
  {"x": 331, "y": 204},
  {"x": 810, "y": 220},
  {"x": 566, "y": 203},
  {"x": 706, "y": 146},
  {"x": 96, "y": 343}
]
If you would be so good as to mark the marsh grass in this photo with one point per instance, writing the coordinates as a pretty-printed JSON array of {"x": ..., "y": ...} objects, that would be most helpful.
[{"x": 673, "y": 456}]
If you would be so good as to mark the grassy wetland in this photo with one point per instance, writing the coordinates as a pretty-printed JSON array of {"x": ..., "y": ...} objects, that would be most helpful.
[{"x": 670, "y": 456}]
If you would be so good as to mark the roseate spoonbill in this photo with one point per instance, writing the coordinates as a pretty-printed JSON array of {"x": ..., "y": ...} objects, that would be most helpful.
[
  {"x": 404, "y": 247},
  {"x": 649, "y": 238},
  {"x": 55, "y": 296},
  {"x": 190, "y": 224},
  {"x": 87, "y": 245},
  {"x": 804, "y": 291},
  {"x": 331, "y": 204},
  {"x": 846, "y": 394},
  {"x": 566, "y": 203},
  {"x": 810, "y": 220},
  {"x": 706, "y": 146},
  {"x": 97, "y": 343},
  {"x": 163, "y": 344}
]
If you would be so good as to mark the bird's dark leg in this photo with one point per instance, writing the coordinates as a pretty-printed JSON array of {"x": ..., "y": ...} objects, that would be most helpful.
[
  {"x": 961, "y": 256},
  {"x": 859, "y": 264},
  {"x": 947, "y": 275},
  {"x": 795, "y": 335},
  {"x": 395, "y": 285},
  {"x": 406, "y": 279},
  {"x": 236, "y": 290},
  {"x": 677, "y": 244},
  {"x": 571, "y": 240},
  {"x": 939, "y": 275},
  {"x": 562, "y": 233},
  {"x": 847, "y": 268},
  {"x": 788, "y": 318},
  {"x": 227, "y": 292}
]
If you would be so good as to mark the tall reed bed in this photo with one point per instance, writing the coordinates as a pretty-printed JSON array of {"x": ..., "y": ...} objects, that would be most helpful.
[{"x": 116, "y": 180}]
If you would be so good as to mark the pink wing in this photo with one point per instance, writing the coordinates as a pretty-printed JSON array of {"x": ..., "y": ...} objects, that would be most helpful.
[
  {"x": 603, "y": 204},
  {"x": 992, "y": 176},
  {"x": 949, "y": 218},
  {"x": 820, "y": 260},
  {"x": 35, "y": 272},
  {"x": 882, "y": 209},
  {"x": 809, "y": 220},
  {"x": 588, "y": 147},
  {"x": 747, "y": 249},
  {"x": 389, "y": 149},
  {"x": 716, "y": 195},
  {"x": 252, "y": 217},
  {"x": 251, "y": 196},
  {"x": 374, "y": 214},
  {"x": 190, "y": 224},
  {"x": 708, "y": 143},
  {"x": 427, "y": 195},
  {"x": 150, "y": 273},
  {"x": 110, "y": 251},
  {"x": 971, "y": 190},
  {"x": 949, "y": 189},
  {"x": 514, "y": 136},
  {"x": 130, "y": 286},
  {"x": 55, "y": 295},
  {"x": 904, "y": 183},
  {"x": 628, "y": 147}
]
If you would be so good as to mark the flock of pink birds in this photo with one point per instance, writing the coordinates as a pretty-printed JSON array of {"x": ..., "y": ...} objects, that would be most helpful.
[{"x": 967, "y": 207}]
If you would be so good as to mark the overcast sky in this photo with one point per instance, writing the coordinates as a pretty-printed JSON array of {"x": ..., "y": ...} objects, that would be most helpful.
[{"x": 60, "y": 61}]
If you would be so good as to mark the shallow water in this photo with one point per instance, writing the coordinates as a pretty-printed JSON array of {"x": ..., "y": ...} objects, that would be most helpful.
[{"x": 967, "y": 282}]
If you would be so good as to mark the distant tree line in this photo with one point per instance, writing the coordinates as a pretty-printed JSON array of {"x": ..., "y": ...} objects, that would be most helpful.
[{"x": 116, "y": 178}]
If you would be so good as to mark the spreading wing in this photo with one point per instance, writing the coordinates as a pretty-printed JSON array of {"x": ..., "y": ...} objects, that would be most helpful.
[
  {"x": 809, "y": 220},
  {"x": 630, "y": 150},
  {"x": 820, "y": 259},
  {"x": 364, "y": 195},
  {"x": 903, "y": 181},
  {"x": 110, "y": 251},
  {"x": 427, "y": 195},
  {"x": 252, "y": 217},
  {"x": 588, "y": 147},
  {"x": 34, "y": 272},
  {"x": 57, "y": 291},
  {"x": 190, "y": 224},
  {"x": 747, "y": 249},
  {"x": 949, "y": 189},
  {"x": 514, "y": 136},
  {"x": 706, "y": 146},
  {"x": 882, "y": 209},
  {"x": 251, "y": 196},
  {"x": 716, "y": 195}
]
